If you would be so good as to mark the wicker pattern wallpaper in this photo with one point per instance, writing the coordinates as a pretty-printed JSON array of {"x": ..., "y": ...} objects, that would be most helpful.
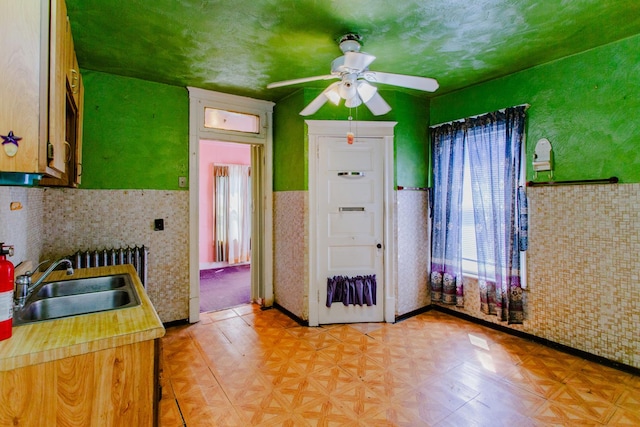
[
  {"x": 21, "y": 226},
  {"x": 583, "y": 280},
  {"x": 98, "y": 219},
  {"x": 413, "y": 251},
  {"x": 291, "y": 252}
]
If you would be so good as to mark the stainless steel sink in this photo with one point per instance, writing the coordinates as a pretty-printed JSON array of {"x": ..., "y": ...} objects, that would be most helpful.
[
  {"x": 78, "y": 296},
  {"x": 83, "y": 286}
]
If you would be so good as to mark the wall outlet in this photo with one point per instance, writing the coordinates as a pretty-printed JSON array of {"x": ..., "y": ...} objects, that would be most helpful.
[
  {"x": 182, "y": 181},
  {"x": 158, "y": 224}
]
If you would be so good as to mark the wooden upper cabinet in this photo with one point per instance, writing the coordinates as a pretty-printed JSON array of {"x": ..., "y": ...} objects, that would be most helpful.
[
  {"x": 75, "y": 108},
  {"x": 34, "y": 62},
  {"x": 57, "y": 87},
  {"x": 69, "y": 95}
]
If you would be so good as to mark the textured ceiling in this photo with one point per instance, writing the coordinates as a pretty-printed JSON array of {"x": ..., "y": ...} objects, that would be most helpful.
[{"x": 238, "y": 46}]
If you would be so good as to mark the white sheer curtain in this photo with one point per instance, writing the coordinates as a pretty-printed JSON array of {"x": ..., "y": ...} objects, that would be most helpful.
[{"x": 232, "y": 213}]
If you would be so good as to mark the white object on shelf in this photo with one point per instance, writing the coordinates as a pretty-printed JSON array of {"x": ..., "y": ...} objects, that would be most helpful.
[{"x": 543, "y": 157}]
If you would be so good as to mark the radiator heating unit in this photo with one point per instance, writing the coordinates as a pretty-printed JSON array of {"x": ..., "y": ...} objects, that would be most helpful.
[{"x": 138, "y": 256}]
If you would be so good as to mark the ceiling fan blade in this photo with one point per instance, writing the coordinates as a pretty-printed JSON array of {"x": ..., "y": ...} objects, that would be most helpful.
[
  {"x": 333, "y": 93},
  {"x": 412, "y": 82},
  {"x": 320, "y": 100},
  {"x": 377, "y": 105},
  {"x": 302, "y": 80},
  {"x": 314, "y": 105},
  {"x": 357, "y": 60}
]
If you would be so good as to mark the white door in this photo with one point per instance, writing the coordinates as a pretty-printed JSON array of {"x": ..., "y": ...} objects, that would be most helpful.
[{"x": 350, "y": 222}]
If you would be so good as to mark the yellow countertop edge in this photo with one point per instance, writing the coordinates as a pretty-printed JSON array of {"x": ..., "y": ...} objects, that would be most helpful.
[{"x": 42, "y": 342}]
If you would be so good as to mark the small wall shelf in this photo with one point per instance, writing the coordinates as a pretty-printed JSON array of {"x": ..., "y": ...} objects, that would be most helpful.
[{"x": 612, "y": 180}]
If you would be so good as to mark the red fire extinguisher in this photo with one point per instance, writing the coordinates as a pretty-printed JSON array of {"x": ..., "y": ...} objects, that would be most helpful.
[{"x": 6, "y": 292}]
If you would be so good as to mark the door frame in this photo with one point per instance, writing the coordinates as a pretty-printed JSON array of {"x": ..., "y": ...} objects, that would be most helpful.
[
  {"x": 339, "y": 128},
  {"x": 262, "y": 289}
]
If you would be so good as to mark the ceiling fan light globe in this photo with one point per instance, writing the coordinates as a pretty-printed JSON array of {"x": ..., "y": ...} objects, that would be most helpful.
[
  {"x": 347, "y": 90},
  {"x": 353, "y": 102},
  {"x": 333, "y": 95},
  {"x": 366, "y": 90}
]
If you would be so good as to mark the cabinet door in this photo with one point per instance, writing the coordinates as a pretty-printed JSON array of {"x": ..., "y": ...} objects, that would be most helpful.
[
  {"x": 79, "y": 119},
  {"x": 72, "y": 68},
  {"x": 57, "y": 151},
  {"x": 75, "y": 88},
  {"x": 23, "y": 83},
  {"x": 73, "y": 92}
]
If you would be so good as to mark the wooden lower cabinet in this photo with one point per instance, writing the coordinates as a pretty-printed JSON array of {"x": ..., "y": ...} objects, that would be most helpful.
[{"x": 112, "y": 387}]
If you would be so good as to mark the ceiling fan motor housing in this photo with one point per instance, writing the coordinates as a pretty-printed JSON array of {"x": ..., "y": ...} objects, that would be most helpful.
[{"x": 350, "y": 43}]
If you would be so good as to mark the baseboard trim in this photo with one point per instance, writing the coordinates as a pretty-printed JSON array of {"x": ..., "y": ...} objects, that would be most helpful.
[
  {"x": 291, "y": 315},
  {"x": 552, "y": 344},
  {"x": 173, "y": 323},
  {"x": 413, "y": 313}
]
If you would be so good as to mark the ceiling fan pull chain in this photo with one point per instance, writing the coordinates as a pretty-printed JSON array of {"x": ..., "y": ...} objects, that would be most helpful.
[
  {"x": 356, "y": 120},
  {"x": 350, "y": 134}
]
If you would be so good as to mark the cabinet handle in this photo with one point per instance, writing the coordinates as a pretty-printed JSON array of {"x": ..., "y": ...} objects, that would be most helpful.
[
  {"x": 68, "y": 151},
  {"x": 74, "y": 81}
]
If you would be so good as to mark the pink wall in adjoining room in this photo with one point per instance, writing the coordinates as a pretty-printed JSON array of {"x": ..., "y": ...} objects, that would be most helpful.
[{"x": 214, "y": 152}]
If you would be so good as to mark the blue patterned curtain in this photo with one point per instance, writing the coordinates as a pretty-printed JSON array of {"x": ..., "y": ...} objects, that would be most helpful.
[
  {"x": 494, "y": 142},
  {"x": 446, "y": 253}
]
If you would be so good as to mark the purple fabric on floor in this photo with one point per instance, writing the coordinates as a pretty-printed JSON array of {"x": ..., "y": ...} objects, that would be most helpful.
[{"x": 225, "y": 287}]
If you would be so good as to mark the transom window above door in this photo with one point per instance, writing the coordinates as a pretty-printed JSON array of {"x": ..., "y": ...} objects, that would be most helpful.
[{"x": 215, "y": 118}]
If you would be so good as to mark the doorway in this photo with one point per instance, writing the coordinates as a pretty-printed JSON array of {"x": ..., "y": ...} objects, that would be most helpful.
[
  {"x": 351, "y": 198},
  {"x": 225, "y": 225},
  {"x": 211, "y": 117}
]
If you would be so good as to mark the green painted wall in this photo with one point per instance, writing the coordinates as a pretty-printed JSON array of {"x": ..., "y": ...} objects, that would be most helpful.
[
  {"x": 136, "y": 133},
  {"x": 411, "y": 140},
  {"x": 289, "y": 147},
  {"x": 587, "y": 105},
  {"x": 291, "y": 142}
]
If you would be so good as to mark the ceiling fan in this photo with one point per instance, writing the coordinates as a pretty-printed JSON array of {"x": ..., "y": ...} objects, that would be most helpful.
[{"x": 354, "y": 86}]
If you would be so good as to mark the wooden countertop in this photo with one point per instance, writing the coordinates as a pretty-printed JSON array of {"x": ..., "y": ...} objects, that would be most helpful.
[{"x": 45, "y": 341}]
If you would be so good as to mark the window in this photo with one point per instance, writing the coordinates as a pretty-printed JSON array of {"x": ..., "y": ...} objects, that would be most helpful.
[
  {"x": 228, "y": 120},
  {"x": 477, "y": 226},
  {"x": 469, "y": 251},
  {"x": 468, "y": 234}
]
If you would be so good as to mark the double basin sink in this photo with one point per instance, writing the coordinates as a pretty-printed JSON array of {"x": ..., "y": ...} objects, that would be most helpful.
[{"x": 74, "y": 297}]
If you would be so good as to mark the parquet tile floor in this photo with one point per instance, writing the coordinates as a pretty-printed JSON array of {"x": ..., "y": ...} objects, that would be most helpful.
[{"x": 247, "y": 367}]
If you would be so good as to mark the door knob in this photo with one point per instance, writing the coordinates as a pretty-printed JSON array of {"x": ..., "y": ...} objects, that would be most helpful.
[{"x": 379, "y": 246}]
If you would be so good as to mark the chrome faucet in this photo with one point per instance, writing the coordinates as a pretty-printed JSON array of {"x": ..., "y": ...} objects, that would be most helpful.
[{"x": 24, "y": 287}]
